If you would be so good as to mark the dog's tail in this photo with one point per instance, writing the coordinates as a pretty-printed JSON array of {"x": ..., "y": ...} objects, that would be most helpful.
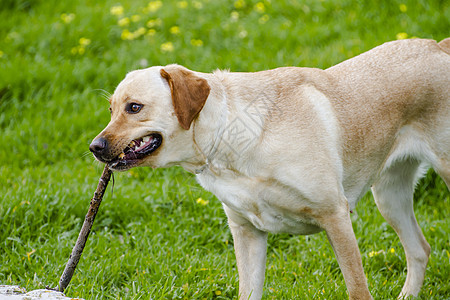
[{"x": 445, "y": 45}]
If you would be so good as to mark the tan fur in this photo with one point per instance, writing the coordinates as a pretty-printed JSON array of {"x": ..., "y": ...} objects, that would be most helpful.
[{"x": 294, "y": 149}]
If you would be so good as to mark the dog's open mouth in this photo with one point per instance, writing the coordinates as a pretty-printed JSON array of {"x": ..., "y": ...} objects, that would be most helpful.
[{"x": 136, "y": 150}]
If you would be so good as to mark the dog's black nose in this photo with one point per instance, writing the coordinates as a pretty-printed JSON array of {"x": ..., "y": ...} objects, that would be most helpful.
[{"x": 98, "y": 146}]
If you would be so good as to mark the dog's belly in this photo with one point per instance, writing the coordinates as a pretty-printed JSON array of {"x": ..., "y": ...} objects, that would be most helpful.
[{"x": 269, "y": 206}]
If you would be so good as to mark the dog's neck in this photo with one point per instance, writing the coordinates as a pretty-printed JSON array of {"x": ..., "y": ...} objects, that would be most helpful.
[
  {"x": 228, "y": 129},
  {"x": 208, "y": 128}
]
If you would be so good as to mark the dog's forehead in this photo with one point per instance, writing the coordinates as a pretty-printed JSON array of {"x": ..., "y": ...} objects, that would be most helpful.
[{"x": 140, "y": 84}]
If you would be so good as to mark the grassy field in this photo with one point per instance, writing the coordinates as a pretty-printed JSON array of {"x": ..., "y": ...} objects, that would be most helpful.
[{"x": 153, "y": 237}]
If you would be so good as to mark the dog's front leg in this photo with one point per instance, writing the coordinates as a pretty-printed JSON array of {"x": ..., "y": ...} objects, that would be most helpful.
[
  {"x": 340, "y": 233},
  {"x": 250, "y": 245}
]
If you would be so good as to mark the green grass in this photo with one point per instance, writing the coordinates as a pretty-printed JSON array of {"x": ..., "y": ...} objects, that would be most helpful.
[{"x": 151, "y": 239}]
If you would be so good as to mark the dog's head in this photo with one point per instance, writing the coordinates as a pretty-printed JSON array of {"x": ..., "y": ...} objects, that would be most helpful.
[{"x": 151, "y": 115}]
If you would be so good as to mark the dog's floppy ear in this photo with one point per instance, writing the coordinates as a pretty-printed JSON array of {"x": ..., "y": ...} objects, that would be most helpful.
[{"x": 189, "y": 93}]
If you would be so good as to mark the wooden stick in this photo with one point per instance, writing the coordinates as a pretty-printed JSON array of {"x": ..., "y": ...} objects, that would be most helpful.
[{"x": 85, "y": 230}]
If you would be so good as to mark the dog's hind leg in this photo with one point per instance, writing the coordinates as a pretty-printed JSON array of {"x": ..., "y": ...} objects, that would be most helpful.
[
  {"x": 393, "y": 194},
  {"x": 338, "y": 227}
]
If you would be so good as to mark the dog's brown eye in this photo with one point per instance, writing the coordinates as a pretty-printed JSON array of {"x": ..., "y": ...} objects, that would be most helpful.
[{"x": 133, "y": 108}]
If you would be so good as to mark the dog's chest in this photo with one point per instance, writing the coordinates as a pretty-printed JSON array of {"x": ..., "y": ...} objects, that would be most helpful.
[{"x": 268, "y": 205}]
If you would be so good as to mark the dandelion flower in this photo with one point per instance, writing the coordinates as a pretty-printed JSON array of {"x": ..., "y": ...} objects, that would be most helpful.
[
  {"x": 198, "y": 4},
  {"x": 202, "y": 202},
  {"x": 123, "y": 22},
  {"x": 403, "y": 8},
  {"x": 175, "y": 30},
  {"x": 116, "y": 10},
  {"x": 401, "y": 36},
  {"x": 84, "y": 41},
  {"x": 151, "y": 32},
  {"x": 167, "y": 47},
  {"x": 139, "y": 32},
  {"x": 243, "y": 34},
  {"x": 154, "y": 22},
  {"x": 196, "y": 43},
  {"x": 126, "y": 35},
  {"x": 264, "y": 19},
  {"x": 392, "y": 250},
  {"x": 218, "y": 293},
  {"x": 154, "y": 6},
  {"x": 234, "y": 16},
  {"x": 67, "y": 18},
  {"x": 135, "y": 18},
  {"x": 260, "y": 7},
  {"x": 182, "y": 4},
  {"x": 239, "y": 4}
]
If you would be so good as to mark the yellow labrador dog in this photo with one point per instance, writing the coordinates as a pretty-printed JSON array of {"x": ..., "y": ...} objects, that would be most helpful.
[{"x": 293, "y": 149}]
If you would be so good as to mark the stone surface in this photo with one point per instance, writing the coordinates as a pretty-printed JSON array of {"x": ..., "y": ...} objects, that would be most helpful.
[{"x": 14, "y": 292}]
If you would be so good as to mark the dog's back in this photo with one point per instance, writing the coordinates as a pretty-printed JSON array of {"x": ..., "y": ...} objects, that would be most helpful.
[{"x": 398, "y": 85}]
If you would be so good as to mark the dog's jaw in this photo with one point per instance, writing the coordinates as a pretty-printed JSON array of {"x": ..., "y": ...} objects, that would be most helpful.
[{"x": 135, "y": 153}]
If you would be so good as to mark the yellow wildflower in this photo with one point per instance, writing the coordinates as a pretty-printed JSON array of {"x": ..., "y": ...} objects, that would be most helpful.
[
  {"x": 123, "y": 22},
  {"x": 401, "y": 36},
  {"x": 135, "y": 18},
  {"x": 175, "y": 30},
  {"x": 243, "y": 34},
  {"x": 392, "y": 250},
  {"x": 154, "y": 6},
  {"x": 218, "y": 293},
  {"x": 67, "y": 18},
  {"x": 151, "y": 32},
  {"x": 197, "y": 4},
  {"x": 239, "y": 4},
  {"x": 126, "y": 35},
  {"x": 403, "y": 8},
  {"x": 141, "y": 31},
  {"x": 196, "y": 43},
  {"x": 202, "y": 202},
  {"x": 167, "y": 47},
  {"x": 154, "y": 22},
  {"x": 234, "y": 16},
  {"x": 116, "y": 10},
  {"x": 260, "y": 7},
  {"x": 264, "y": 19},
  {"x": 182, "y": 4},
  {"x": 84, "y": 41},
  {"x": 78, "y": 50},
  {"x": 372, "y": 253}
]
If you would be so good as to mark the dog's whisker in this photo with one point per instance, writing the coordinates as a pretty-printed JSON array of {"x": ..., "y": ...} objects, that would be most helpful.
[
  {"x": 86, "y": 153},
  {"x": 104, "y": 93}
]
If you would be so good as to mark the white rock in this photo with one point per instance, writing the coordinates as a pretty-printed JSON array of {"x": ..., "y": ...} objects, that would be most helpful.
[{"x": 14, "y": 292}]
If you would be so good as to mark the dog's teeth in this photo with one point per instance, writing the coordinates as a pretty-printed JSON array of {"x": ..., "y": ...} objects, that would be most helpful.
[
  {"x": 121, "y": 155},
  {"x": 146, "y": 139}
]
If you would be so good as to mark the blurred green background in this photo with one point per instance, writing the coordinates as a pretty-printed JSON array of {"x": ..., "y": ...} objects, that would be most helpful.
[{"x": 153, "y": 237}]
